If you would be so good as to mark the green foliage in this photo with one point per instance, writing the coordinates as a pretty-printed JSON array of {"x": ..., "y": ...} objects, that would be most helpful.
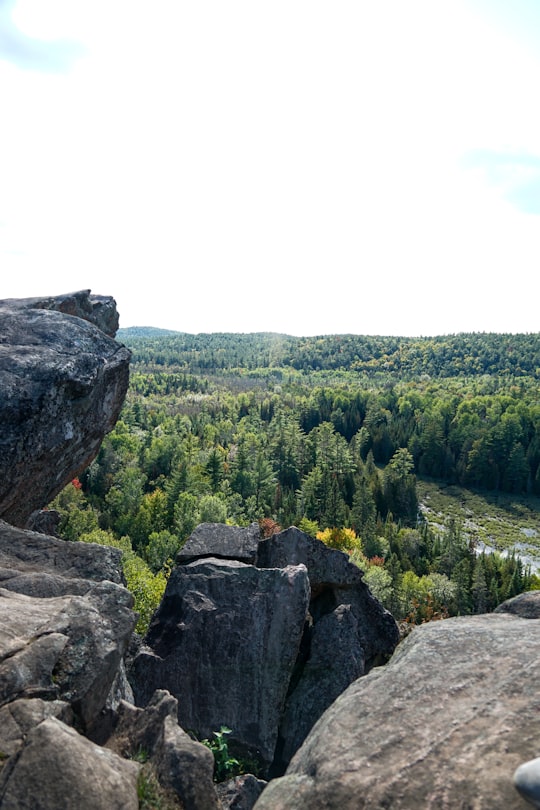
[
  {"x": 151, "y": 795},
  {"x": 327, "y": 433},
  {"x": 379, "y": 582},
  {"x": 147, "y": 588},
  {"x": 161, "y": 550},
  {"x": 77, "y": 516},
  {"x": 225, "y": 765},
  {"x": 310, "y": 527},
  {"x": 212, "y": 509},
  {"x": 443, "y": 356}
]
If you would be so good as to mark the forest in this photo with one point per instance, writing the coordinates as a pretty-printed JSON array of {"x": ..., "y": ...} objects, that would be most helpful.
[{"x": 330, "y": 434}]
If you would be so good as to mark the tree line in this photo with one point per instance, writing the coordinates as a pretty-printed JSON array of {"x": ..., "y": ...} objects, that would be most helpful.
[
  {"x": 342, "y": 456},
  {"x": 459, "y": 355}
]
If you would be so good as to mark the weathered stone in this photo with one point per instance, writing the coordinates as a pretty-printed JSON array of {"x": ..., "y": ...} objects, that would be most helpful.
[
  {"x": 526, "y": 605},
  {"x": 20, "y": 716},
  {"x": 181, "y": 764},
  {"x": 28, "y": 552},
  {"x": 336, "y": 660},
  {"x": 527, "y": 781},
  {"x": 44, "y": 521},
  {"x": 62, "y": 384},
  {"x": 325, "y": 566},
  {"x": 240, "y": 793},
  {"x": 97, "y": 309},
  {"x": 223, "y": 541},
  {"x": 43, "y": 585},
  {"x": 349, "y": 632},
  {"x": 224, "y": 642},
  {"x": 66, "y": 647},
  {"x": 58, "y": 768},
  {"x": 443, "y": 725},
  {"x": 377, "y": 629},
  {"x": 334, "y": 581}
]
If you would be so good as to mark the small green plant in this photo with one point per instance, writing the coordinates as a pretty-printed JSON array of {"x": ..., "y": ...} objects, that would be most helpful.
[
  {"x": 141, "y": 755},
  {"x": 148, "y": 792},
  {"x": 225, "y": 766}
]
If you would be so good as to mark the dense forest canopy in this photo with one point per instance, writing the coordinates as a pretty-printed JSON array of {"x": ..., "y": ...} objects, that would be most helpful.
[
  {"x": 327, "y": 433},
  {"x": 443, "y": 356}
]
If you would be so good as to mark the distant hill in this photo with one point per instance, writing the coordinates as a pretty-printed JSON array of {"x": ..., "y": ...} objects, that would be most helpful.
[
  {"x": 130, "y": 332},
  {"x": 472, "y": 354}
]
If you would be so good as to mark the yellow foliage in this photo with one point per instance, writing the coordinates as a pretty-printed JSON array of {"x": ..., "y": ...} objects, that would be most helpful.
[{"x": 341, "y": 539}]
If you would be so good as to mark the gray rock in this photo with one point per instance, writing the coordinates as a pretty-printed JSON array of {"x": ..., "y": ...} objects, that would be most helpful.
[
  {"x": 224, "y": 642},
  {"x": 44, "y": 521},
  {"x": 221, "y": 540},
  {"x": 335, "y": 661},
  {"x": 66, "y": 647},
  {"x": 43, "y": 585},
  {"x": 325, "y": 566},
  {"x": 26, "y": 552},
  {"x": 443, "y": 725},
  {"x": 62, "y": 384},
  {"x": 527, "y": 781},
  {"x": 377, "y": 629},
  {"x": 181, "y": 764},
  {"x": 348, "y": 632},
  {"x": 97, "y": 309},
  {"x": 240, "y": 793},
  {"x": 58, "y": 769},
  {"x": 19, "y": 717},
  {"x": 526, "y": 605},
  {"x": 334, "y": 581}
]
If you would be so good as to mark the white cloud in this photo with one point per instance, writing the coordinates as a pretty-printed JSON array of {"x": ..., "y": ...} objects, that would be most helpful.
[{"x": 294, "y": 166}]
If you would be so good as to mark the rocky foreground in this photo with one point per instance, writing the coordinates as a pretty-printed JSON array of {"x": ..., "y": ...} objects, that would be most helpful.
[{"x": 277, "y": 638}]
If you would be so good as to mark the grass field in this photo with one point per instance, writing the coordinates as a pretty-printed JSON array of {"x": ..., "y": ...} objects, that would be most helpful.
[{"x": 499, "y": 521}]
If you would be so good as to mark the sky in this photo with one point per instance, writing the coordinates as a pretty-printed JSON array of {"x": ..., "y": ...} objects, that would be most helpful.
[{"x": 306, "y": 167}]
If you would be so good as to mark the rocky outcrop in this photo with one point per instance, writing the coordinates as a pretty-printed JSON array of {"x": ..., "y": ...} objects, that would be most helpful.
[
  {"x": 97, "y": 309},
  {"x": 443, "y": 725},
  {"x": 30, "y": 553},
  {"x": 526, "y": 605},
  {"x": 240, "y": 793},
  {"x": 222, "y": 541},
  {"x": 224, "y": 642},
  {"x": 62, "y": 384},
  {"x": 66, "y": 647},
  {"x": 180, "y": 764},
  {"x": 58, "y": 768},
  {"x": 65, "y": 617},
  {"x": 264, "y": 643},
  {"x": 527, "y": 781}
]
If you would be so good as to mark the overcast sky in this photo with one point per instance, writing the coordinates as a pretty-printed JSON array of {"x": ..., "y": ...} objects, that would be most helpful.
[{"x": 292, "y": 166}]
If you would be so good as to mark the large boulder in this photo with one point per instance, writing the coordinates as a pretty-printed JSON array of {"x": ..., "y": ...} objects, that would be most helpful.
[
  {"x": 58, "y": 769},
  {"x": 182, "y": 765},
  {"x": 19, "y": 717},
  {"x": 224, "y": 642},
  {"x": 220, "y": 540},
  {"x": 30, "y": 553},
  {"x": 97, "y": 309},
  {"x": 241, "y": 792},
  {"x": 67, "y": 647},
  {"x": 347, "y": 632},
  {"x": 66, "y": 620},
  {"x": 444, "y": 724},
  {"x": 62, "y": 384},
  {"x": 262, "y": 637}
]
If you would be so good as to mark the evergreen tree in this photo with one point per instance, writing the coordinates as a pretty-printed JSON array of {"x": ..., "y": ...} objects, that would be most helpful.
[
  {"x": 364, "y": 515},
  {"x": 479, "y": 588}
]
